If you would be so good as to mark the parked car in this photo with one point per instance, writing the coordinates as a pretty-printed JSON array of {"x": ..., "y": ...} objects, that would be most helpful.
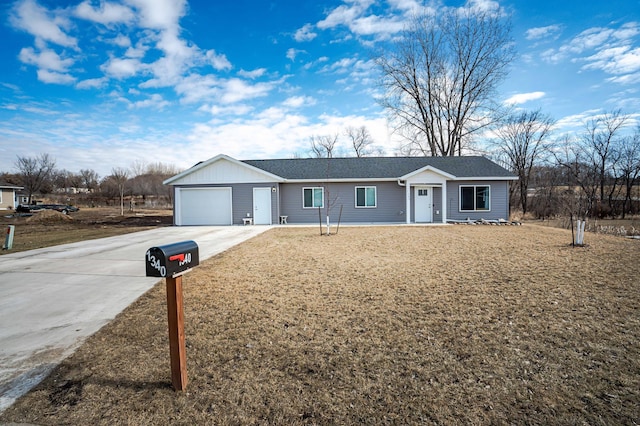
[{"x": 30, "y": 208}]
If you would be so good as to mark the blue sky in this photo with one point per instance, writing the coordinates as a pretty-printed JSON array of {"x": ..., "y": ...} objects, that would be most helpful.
[{"x": 104, "y": 84}]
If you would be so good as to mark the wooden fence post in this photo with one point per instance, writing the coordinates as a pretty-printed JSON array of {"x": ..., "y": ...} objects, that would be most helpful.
[{"x": 177, "y": 345}]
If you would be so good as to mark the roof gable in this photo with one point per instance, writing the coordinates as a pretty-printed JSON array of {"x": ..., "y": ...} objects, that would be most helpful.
[{"x": 222, "y": 169}]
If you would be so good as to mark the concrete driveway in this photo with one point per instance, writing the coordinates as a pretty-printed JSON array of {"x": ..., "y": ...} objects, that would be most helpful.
[{"x": 51, "y": 299}]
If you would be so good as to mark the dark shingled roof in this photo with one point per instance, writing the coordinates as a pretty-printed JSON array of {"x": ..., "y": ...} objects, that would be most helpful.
[
  {"x": 378, "y": 167},
  {"x": 9, "y": 185}
]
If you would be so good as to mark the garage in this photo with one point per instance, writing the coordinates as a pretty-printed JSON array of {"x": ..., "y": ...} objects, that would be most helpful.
[{"x": 204, "y": 206}]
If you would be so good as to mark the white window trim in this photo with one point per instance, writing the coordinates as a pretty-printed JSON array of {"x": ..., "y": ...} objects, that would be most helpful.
[
  {"x": 375, "y": 205},
  {"x": 474, "y": 198},
  {"x": 312, "y": 188}
]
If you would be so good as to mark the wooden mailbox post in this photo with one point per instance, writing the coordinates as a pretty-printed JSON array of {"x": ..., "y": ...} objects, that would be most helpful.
[{"x": 171, "y": 261}]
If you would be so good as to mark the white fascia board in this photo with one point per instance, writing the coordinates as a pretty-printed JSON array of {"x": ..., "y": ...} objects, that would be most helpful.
[
  {"x": 218, "y": 158},
  {"x": 487, "y": 178},
  {"x": 428, "y": 169},
  {"x": 347, "y": 180}
]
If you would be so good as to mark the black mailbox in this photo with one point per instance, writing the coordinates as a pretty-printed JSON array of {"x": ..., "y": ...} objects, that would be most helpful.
[{"x": 172, "y": 259}]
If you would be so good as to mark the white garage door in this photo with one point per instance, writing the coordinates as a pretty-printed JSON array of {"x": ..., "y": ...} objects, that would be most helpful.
[{"x": 205, "y": 206}]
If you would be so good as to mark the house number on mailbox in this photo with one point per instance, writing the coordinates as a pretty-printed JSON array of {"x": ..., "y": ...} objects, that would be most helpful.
[{"x": 155, "y": 263}]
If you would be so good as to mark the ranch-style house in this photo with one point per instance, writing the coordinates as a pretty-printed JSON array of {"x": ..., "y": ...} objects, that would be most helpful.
[{"x": 226, "y": 191}]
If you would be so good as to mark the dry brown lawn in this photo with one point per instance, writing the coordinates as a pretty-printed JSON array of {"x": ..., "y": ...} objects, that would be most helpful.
[
  {"x": 48, "y": 227},
  {"x": 379, "y": 325}
]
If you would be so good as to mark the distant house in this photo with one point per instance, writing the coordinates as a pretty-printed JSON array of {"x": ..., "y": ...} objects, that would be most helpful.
[
  {"x": 226, "y": 191},
  {"x": 8, "y": 199}
]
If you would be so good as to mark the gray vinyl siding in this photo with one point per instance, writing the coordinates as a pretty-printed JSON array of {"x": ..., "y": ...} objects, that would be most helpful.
[
  {"x": 437, "y": 205},
  {"x": 389, "y": 208},
  {"x": 242, "y": 199},
  {"x": 499, "y": 196}
]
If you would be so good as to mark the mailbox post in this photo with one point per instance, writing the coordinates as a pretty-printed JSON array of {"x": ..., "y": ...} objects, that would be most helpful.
[{"x": 171, "y": 261}]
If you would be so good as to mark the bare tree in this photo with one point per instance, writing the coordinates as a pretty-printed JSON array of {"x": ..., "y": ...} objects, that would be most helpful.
[
  {"x": 360, "y": 140},
  {"x": 147, "y": 180},
  {"x": 441, "y": 75},
  {"x": 521, "y": 139},
  {"x": 574, "y": 160},
  {"x": 120, "y": 176},
  {"x": 601, "y": 141},
  {"x": 89, "y": 179},
  {"x": 35, "y": 172},
  {"x": 629, "y": 166},
  {"x": 323, "y": 146}
]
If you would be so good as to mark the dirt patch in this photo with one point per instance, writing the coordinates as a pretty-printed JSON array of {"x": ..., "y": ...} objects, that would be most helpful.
[
  {"x": 48, "y": 216},
  {"x": 411, "y": 325},
  {"x": 49, "y": 227}
]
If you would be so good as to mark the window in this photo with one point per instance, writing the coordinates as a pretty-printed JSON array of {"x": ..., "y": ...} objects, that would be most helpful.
[
  {"x": 313, "y": 197},
  {"x": 423, "y": 192},
  {"x": 474, "y": 198},
  {"x": 366, "y": 196}
]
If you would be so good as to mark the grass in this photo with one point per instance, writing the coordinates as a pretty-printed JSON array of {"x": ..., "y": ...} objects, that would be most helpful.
[{"x": 410, "y": 325}]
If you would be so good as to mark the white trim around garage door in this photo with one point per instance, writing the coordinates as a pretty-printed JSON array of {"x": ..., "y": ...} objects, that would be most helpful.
[{"x": 204, "y": 206}]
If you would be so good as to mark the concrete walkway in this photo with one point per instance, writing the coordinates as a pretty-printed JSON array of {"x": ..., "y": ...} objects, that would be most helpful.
[{"x": 52, "y": 299}]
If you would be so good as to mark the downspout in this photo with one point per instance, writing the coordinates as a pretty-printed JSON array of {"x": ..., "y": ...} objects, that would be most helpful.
[
  {"x": 444, "y": 202},
  {"x": 408, "y": 202}
]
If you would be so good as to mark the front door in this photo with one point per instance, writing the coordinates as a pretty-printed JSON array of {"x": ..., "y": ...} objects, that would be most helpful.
[
  {"x": 262, "y": 206},
  {"x": 423, "y": 204}
]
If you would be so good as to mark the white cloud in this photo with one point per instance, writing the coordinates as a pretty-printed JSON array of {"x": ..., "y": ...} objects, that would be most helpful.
[
  {"x": 154, "y": 101},
  {"x": 376, "y": 25},
  {"x": 522, "y": 98},
  {"x": 178, "y": 58},
  {"x": 305, "y": 33},
  {"x": 136, "y": 52},
  {"x": 122, "y": 40},
  {"x": 47, "y": 59},
  {"x": 195, "y": 88},
  {"x": 159, "y": 14},
  {"x": 92, "y": 83},
  {"x": 55, "y": 77},
  {"x": 122, "y": 68},
  {"x": 407, "y": 6},
  {"x": 298, "y": 101},
  {"x": 259, "y": 72},
  {"x": 345, "y": 15},
  {"x": 628, "y": 79},
  {"x": 219, "y": 62},
  {"x": 355, "y": 16},
  {"x": 610, "y": 50},
  {"x": 615, "y": 60},
  {"x": 577, "y": 120},
  {"x": 483, "y": 5},
  {"x": 344, "y": 65},
  {"x": 217, "y": 110},
  {"x": 292, "y": 53},
  {"x": 106, "y": 13},
  {"x": 236, "y": 90},
  {"x": 542, "y": 32},
  {"x": 42, "y": 24}
]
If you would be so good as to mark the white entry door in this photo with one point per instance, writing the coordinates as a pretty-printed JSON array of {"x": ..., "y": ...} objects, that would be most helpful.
[
  {"x": 262, "y": 206},
  {"x": 423, "y": 204}
]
